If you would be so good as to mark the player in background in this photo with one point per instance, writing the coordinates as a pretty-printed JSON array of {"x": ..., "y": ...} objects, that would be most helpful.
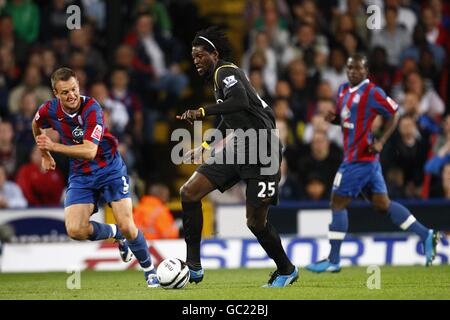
[
  {"x": 358, "y": 103},
  {"x": 240, "y": 108},
  {"x": 97, "y": 171}
]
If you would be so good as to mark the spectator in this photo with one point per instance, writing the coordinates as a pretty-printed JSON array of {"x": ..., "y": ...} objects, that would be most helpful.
[
  {"x": 435, "y": 32},
  {"x": 10, "y": 41},
  {"x": 256, "y": 79},
  {"x": 11, "y": 196},
  {"x": 441, "y": 189},
  {"x": 22, "y": 120},
  {"x": 395, "y": 181},
  {"x": 381, "y": 72},
  {"x": 411, "y": 107},
  {"x": 335, "y": 74},
  {"x": 160, "y": 57},
  {"x": 445, "y": 133},
  {"x": 270, "y": 68},
  {"x": 25, "y": 15},
  {"x": 408, "y": 151},
  {"x": 420, "y": 43},
  {"x": 8, "y": 149},
  {"x": 393, "y": 38},
  {"x": 289, "y": 188},
  {"x": 118, "y": 114},
  {"x": 442, "y": 156},
  {"x": 31, "y": 82},
  {"x": 430, "y": 102},
  {"x": 302, "y": 97},
  {"x": 318, "y": 123},
  {"x": 40, "y": 188},
  {"x": 79, "y": 40},
  {"x": 323, "y": 159},
  {"x": 306, "y": 44},
  {"x": 152, "y": 216},
  {"x": 274, "y": 25},
  {"x": 120, "y": 91},
  {"x": 316, "y": 187},
  {"x": 158, "y": 11}
]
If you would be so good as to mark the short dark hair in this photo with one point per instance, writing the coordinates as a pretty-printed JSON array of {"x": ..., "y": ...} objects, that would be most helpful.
[
  {"x": 62, "y": 74},
  {"x": 217, "y": 37}
]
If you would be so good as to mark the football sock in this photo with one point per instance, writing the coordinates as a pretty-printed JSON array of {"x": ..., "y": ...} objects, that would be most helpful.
[
  {"x": 401, "y": 217},
  {"x": 269, "y": 239},
  {"x": 140, "y": 250},
  {"x": 337, "y": 231},
  {"x": 192, "y": 226},
  {"x": 101, "y": 231}
]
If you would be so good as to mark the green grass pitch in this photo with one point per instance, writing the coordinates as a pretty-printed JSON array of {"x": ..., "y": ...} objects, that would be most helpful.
[{"x": 396, "y": 283}]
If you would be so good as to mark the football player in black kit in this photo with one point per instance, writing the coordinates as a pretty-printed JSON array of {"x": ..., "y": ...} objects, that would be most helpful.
[{"x": 242, "y": 109}]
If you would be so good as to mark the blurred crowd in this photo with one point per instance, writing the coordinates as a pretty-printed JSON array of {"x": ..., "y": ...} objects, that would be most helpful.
[{"x": 294, "y": 53}]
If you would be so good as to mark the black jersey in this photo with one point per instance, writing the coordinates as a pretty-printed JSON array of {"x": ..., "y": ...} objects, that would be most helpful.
[{"x": 229, "y": 81}]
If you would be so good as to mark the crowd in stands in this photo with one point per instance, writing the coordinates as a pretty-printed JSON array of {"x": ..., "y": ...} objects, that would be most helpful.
[{"x": 294, "y": 54}]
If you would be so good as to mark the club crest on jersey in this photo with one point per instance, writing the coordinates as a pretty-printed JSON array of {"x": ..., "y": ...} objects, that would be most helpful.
[
  {"x": 345, "y": 113},
  {"x": 229, "y": 81},
  {"x": 356, "y": 98}
]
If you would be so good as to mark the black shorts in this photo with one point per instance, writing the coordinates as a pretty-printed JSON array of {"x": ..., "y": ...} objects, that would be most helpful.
[{"x": 261, "y": 189}]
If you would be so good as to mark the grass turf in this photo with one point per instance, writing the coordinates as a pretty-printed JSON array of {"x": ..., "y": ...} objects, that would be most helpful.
[{"x": 240, "y": 284}]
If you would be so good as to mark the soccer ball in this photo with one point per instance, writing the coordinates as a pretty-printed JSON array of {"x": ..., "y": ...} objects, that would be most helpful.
[{"x": 172, "y": 273}]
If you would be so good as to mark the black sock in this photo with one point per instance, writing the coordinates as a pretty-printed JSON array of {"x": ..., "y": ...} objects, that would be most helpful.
[
  {"x": 192, "y": 225},
  {"x": 269, "y": 239}
]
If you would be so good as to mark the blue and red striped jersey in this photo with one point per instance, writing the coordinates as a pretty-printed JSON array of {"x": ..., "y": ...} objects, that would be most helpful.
[
  {"x": 86, "y": 124},
  {"x": 358, "y": 107}
]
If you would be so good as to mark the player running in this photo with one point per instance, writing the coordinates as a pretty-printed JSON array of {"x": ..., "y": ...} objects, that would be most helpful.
[
  {"x": 97, "y": 171},
  {"x": 240, "y": 107},
  {"x": 358, "y": 103}
]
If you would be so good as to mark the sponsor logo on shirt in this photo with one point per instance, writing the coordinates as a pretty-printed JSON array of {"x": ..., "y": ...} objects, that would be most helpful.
[{"x": 97, "y": 133}]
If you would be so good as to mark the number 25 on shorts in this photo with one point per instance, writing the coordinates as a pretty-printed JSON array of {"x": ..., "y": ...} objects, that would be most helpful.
[{"x": 267, "y": 189}]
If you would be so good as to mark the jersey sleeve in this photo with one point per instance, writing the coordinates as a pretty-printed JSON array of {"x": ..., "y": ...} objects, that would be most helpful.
[
  {"x": 42, "y": 116},
  {"x": 229, "y": 82},
  {"x": 93, "y": 123},
  {"x": 383, "y": 104}
]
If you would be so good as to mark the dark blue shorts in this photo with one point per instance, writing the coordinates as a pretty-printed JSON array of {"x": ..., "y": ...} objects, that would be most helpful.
[
  {"x": 353, "y": 177},
  {"x": 105, "y": 185}
]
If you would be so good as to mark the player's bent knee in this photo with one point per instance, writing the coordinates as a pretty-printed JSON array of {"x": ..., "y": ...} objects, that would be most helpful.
[
  {"x": 381, "y": 208},
  {"x": 254, "y": 225},
  {"x": 78, "y": 233},
  {"x": 187, "y": 194},
  {"x": 128, "y": 230}
]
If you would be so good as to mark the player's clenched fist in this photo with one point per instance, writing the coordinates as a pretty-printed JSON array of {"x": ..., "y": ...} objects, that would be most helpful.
[
  {"x": 191, "y": 115},
  {"x": 44, "y": 143}
]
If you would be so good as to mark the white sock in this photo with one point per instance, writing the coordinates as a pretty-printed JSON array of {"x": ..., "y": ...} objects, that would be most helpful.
[{"x": 114, "y": 230}]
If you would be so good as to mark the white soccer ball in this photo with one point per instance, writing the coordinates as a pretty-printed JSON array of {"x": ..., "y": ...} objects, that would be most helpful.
[{"x": 173, "y": 273}]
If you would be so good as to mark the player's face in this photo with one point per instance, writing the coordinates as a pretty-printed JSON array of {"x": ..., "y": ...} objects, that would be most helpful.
[
  {"x": 356, "y": 71},
  {"x": 204, "y": 61},
  {"x": 68, "y": 92}
]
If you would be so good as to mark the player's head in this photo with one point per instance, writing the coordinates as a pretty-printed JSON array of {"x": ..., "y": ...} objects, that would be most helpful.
[
  {"x": 208, "y": 46},
  {"x": 66, "y": 88},
  {"x": 357, "y": 68}
]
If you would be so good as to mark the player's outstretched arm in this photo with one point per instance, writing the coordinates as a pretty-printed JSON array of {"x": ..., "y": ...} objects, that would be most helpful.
[{"x": 87, "y": 150}]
